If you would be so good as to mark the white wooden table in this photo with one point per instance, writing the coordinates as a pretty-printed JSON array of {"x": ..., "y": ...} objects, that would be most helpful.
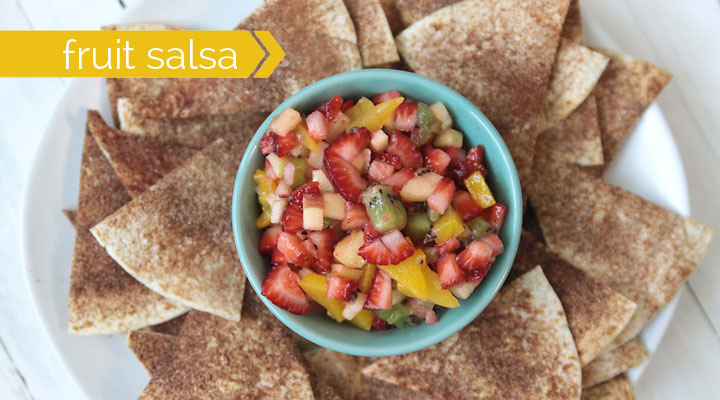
[{"x": 683, "y": 37}]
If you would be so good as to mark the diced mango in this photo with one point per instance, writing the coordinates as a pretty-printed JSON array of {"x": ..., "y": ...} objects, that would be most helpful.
[
  {"x": 263, "y": 221},
  {"x": 265, "y": 187},
  {"x": 463, "y": 290},
  {"x": 364, "y": 105},
  {"x": 366, "y": 279},
  {"x": 363, "y": 320},
  {"x": 315, "y": 286},
  {"x": 479, "y": 190},
  {"x": 437, "y": 294},
  {"x": 409, "y": 275},
  {"x": 375, "y": 118},
  {"x": 305, "y": 138},
  {"x": 450, "y": 225},
  {"x": 346, "y": 251}
]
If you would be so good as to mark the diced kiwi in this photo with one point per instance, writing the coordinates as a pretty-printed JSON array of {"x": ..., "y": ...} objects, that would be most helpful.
[
  {"x": 425, "y": 117},
  {"x": 399, "y": 315},
  {"x": 479, "y": 227},
  {"x": 386, "y": 212},
  {"x": 418, "y": 225},
  {"x": 300, "y": 168},
  {"x": 433, "y": 215},
  {"x": 449, "y": 138}
]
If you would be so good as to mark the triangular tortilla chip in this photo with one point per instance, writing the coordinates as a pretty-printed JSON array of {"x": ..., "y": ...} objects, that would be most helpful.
[
  {"x": 412, "y": 11},
  {"x": 614, "y": 362},
  {"x": 71, "y": 215},
  {"x": 139, "y": 162},
  {"x": 573, "y": 27},
  {"x": 575, "y": 140},
  {"x": 216, "y": 358},
  {"x": 392, "y": 15},
  {"x": 624, "y": 91},
  {"x": 154, "y": 350},
  {"x": 519, "y": 347},
  {"x": 103, "y": 297},
  {"x": 636, "y": 247},
  {"x": 496, "y": 55},
  {"x": 171, "y": 327},
  {"x": 374, "y": 38},
  {"x": 313, "y": 51},
  {"x": 177, "y": 238},
  {"x": 618, "y": 388},
  {"x": 596, "y": 314}
]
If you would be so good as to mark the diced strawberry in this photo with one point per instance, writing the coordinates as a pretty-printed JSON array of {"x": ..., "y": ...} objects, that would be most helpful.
[
  {"x": 456, "y": 155},
  {"x": 379, "y": 171},
  {"x": 376, "y": 252},
  {"x": 296, "y": 197},
  {"x": 413, "y": 206},
  {"x": 398, "y": 179},
  {"x": 406, "y": 116},
  {"x": 347, "y": 104},
  {"x": 430, "y": 317},
  {"x": 401, "y": 146},
  {"x": 468, "y": 208},
  {"x": 349, "y": 146},
  {"x": 292, "y": 220},
  {"x": 340, "y": 288},
  {"x": 380, "y": 324},
  {"x": 495, "y": 215},
  {"x": 267, "y": 143},
  {"x": 449, "y": 272},
  {"x": 371, "y": 233},
  {"x": 448, "y": 246},
  {"x": 436, "y": 159},
  {"x": 380, "y": 295},
  {"x": 294, "y": 249},
  {"x": 280, "y": 145},
  {"x": 475, "y": 255},
  {"x": 382, "y": 97},
  {"x": 356, "y": 216},
  {"x": 476, "y": 275},
  {"x": 282, "y": 287},
  {"x": 398, "y": 246},
  {"x": 310, "y": 248},
  {"x": 477, "y": 154},
  {"x": 390, "y": 159},
  {"x": 331, "y": 108},
  {"x": 318, "y": 125},
  {"x": 472, "y": 163},
  {"x": 269, "y": 239},
  {"x": 324, "y": 242},
  {"x": 345, "y": 178},
  {"x": 440, "y": 199},
  {"x": 494, "y": 242},
  {"x": 270, "y": 171},
  {"x": 278, "y": 258}
]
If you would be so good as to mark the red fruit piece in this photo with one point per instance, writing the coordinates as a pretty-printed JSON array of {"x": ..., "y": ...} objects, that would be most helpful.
[
  {"x": 269, "y": 239},
  {"x": 278, "y": 258},
  {"x": 436, "y": 159},
  {"x": 292, "y": 220},
  {"x": 376, "y": 252},
  {"x": 345, "y": 178},
  {"x": 448, "y": 246},
  {"x": 398, "y": 179},
  {"x": 398, "y": 246},
  {"x": 476, "y": 275},
  {"x": 379, "y": 171},
  {"x": 440, "y": 199},
  {"x": 389, "y": 159},
  {"x": 380, "y": 295},
  {"x": 296, "y": 197},
  {"x": 401, "y": 146},
  {"x": 380, "y": 324},
  {"x": 331, "y": 108},
  {"x": 449, "y": 272},
  {"x": 494, "y": 242},
  {"x": 382, "y": 97},
  {"x": 371, "y": 233},
  {"x": 477, "y": 154},
  {"x": 270, "y": 171},
  {"x": 355, "y": 216},
  {"x": 413, "y": 206},
  {"x": 495, "y": 215},
  {"x": 340, "y": 288},
  {"x": 475, "y": 255},
  {"x": 468, "y": 208},
  {"x": 294, "y": 249},
  {"x": 266, "y": 143},
  {"x": 324, "y": 242},
  {"x": 280, "y": 145},
  {"x": 456, "y": 155},
  {"x": 282, "y": 287},
  {"x": 349, "y": 146},
  {"x": 406, "y": 116},
  {"x": 318, "y": 125},
  {"x": 347, "y": 104},
  {"x": 471, "y": 164}
]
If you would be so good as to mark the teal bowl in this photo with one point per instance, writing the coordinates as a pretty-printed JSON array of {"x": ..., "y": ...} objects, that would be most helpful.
[{"x": 502, "y": 178}]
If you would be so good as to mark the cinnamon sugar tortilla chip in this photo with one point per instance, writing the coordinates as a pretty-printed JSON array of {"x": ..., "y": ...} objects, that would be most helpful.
[
  {"x": 614, "y": 362},
  {"x": 171, "y": 327},
  {"x": 412, "y": 11},
  {"x": 393, "y": 17},
  {"x": 618, "y": 388},
  {"x": 374, "y": 38},
  {"x": 595, "y": 313},
  {"x": 573, "y": 28},
  {"x": 154, "y": 350},
  {"x": 139, "y": 162},
  {"x": 495, "y": 54},
  {"x": 519, "y": 347},
  {"x": 636, "y": 247},
  {"x": 71, "y": 215},
  {"x": 176, "y": 237},
  {"x": 103, "y": 297}
]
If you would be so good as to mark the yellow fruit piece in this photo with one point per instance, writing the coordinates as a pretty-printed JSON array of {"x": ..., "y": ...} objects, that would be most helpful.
[
  {"x": 375, "y": 118},
  {"x": 264, "y": 188},
  {"x": 315, "y": 286},
  {"x": 263, "y": 220},
  {"x": 362, "y": 106},
  {"x": 409, "y": 275},
  {"x": 346, "y": 251},
  {"x": 437, "y": 294},
  {"x": 305, "y": 138},
  {"x": 366, "y": 279},
  {"x": 363, "y": 320},
  {"x": 450, "y": 225},
  {"x": 479, "y": 190}
]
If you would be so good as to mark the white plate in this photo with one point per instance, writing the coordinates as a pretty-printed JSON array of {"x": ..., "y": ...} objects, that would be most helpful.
[{"x": 102, "y": 366}]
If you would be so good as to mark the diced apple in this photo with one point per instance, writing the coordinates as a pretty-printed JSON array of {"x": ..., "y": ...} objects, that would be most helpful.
[
  {"x": 463, "y": 290},
  {"x": 344, "y": 271},
  {"x": 379, "y": 141},
  {"x": 333, "y": 206},
  {"x": 288, "y": 174},
  {"x": 283, "y": 189},
  {"x": 286, "y": 122},
  {"x": 338, "y": 126},
  {"x": 315, "y": 159},
  {"x": 313, "y": 215},
  {"x": 354, "y": 307},
  {"x": 421, "y": 186},
  {"x": 449, "y": 138},
  {"x": 442, "y": 115},
  {"x": 277, "y": 208},
  {"x": 346, "y": 251},
  {"x": 362, "y": 161},
  {"x": 319, "y": 176},
  {"x": 278, "y": 163}
]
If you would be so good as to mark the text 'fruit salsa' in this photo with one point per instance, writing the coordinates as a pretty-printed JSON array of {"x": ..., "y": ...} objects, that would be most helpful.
[{"x": 373, "y": 210}]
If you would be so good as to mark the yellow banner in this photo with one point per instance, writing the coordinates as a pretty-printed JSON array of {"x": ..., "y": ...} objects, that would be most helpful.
[{"x": 141, "y": 54}]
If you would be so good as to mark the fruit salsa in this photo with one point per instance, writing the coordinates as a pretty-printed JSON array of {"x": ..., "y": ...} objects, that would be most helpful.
[{"x": 374, "y": 211}]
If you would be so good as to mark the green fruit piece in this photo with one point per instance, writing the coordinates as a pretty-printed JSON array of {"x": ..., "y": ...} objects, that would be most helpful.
[
  {"x": 418, "y": 225},
  {"x": 479, "y": 227},
  {"x": 422, "y": 136},
  {"x": 386, "y": 212},
  {"x": 433, "y": 215},
  {"x": 398, "y": 316},
  {"x": 425, "y": 117},
  {"x": 449, "y": 138},
  {"x": 300, "y": 168}
]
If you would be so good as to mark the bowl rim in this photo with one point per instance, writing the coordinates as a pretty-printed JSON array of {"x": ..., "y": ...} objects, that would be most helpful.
[{"x": 444, "y": 94}]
